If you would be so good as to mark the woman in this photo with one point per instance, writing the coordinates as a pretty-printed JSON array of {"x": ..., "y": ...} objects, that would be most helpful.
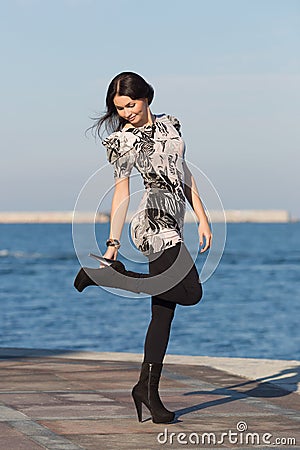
[{"x": 153, "y": 145}]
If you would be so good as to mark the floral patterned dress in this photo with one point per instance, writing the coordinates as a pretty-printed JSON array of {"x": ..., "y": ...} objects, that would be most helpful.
[{"x": 157, "y": 152}]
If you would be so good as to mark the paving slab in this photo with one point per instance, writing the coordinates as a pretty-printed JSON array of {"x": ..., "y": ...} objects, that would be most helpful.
[{"x": 67, "y": 400}]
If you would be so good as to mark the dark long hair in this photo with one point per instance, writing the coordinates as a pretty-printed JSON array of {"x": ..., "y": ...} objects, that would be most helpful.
[{"x": 129, "y": 84}]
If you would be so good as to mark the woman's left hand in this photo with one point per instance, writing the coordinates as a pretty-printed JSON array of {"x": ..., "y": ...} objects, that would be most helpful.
[{"x": 205, "y": 234}]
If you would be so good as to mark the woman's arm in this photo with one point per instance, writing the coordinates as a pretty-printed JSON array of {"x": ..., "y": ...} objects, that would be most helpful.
[
  {"x": 192, "y": 195},
  {"x": 118, "y": 213}
]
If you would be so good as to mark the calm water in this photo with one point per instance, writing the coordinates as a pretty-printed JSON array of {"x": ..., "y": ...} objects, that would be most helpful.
[{"x": 250, "y": 307}]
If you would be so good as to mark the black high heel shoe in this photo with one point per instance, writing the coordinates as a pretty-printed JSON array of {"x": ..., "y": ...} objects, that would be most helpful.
[
  {"x": 104, "y": 276},
  {"x": 146, "y": 392}
]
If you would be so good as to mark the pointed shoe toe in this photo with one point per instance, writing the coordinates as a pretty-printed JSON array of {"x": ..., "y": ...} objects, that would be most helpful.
[{"x": 97, "y": 277}]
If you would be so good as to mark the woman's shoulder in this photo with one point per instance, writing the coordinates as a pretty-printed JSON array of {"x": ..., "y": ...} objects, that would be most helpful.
[
  {"x": 112, "y": 145},
  {"x": 169, "y": 119},
  {"x": 118, "y": 144},
  {"x": 111, "y": 139}
]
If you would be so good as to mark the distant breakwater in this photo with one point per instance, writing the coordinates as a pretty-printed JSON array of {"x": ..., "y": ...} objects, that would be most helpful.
[{"x": 232, "y": 216}]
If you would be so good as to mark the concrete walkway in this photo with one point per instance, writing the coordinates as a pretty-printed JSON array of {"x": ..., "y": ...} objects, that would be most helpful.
[{"x": 70, "y": 400}]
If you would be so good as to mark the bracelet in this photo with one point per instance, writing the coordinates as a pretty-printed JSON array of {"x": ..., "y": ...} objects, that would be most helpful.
[{"x": 113, "y": 243}]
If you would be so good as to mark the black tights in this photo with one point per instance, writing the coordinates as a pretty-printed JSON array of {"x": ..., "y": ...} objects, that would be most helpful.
[{"x": 158, "y": 333}]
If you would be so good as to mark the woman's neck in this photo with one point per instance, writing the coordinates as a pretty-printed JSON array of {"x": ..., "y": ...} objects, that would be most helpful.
[{"x": 149, "y": 120}]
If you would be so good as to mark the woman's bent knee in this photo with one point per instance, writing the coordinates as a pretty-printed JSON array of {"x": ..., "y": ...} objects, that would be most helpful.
[{"x": 193, "y": 295}]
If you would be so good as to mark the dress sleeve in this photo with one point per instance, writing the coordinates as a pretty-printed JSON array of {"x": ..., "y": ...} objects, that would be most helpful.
[
  {"x": 176, "y": 124},
  {"x": 120, "y": 155}
]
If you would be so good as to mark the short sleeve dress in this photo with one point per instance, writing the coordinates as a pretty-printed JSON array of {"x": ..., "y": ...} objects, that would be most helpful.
[{"x": 157, "y": 152}]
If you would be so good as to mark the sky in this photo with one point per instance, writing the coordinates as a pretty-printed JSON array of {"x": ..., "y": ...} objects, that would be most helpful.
[{"x": 229, "y": 70}]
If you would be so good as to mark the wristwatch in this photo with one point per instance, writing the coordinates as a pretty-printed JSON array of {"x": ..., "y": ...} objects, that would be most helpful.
[{"x": 113, "y": 243}]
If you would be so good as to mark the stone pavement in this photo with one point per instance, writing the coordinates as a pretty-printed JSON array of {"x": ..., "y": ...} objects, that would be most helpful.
[{"x": 68, "y": 400}]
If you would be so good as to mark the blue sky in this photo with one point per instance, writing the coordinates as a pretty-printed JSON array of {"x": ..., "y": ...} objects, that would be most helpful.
[{"x": 228, "y": 69}]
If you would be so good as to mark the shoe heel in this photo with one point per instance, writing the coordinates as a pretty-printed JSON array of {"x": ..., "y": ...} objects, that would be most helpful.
[
  {"x": 138, "y": 407},
  {"x": 104, "y": 261}
]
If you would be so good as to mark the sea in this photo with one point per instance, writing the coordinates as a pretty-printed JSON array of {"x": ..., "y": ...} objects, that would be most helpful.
[{"x": 250, "y": 307}]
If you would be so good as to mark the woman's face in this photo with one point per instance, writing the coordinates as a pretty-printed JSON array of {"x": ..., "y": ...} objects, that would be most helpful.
[{"x": 134, "y": 111}]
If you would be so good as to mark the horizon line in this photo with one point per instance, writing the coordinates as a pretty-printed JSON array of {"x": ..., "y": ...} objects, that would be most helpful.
[{"x": 70, "y": 216}]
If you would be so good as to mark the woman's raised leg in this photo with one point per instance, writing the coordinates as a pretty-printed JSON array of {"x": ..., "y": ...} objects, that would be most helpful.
[{"x": 174, "y": 279}]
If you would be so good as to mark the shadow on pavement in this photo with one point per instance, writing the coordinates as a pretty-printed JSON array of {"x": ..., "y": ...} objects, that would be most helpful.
[{"x": 260, "y": 388}]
